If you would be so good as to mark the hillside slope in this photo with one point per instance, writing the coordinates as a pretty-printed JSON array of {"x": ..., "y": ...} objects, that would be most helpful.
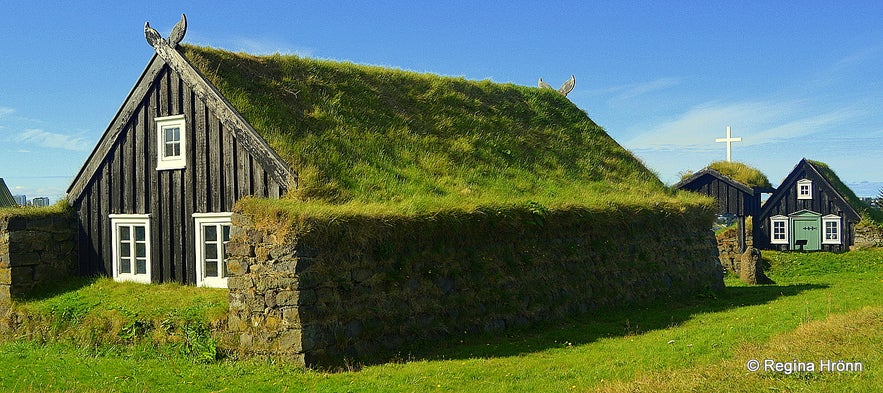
[{"x": 373, "y": 134}]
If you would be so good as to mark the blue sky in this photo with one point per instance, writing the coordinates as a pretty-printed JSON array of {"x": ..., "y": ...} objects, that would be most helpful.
[{"x": 664, "y": 78}]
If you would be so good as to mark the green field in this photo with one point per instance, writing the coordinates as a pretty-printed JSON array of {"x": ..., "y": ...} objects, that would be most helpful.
[{"x": 823, "y": 307}]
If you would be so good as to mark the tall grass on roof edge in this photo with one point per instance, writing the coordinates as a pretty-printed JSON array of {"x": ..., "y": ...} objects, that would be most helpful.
[{"x": 366, "y": 134}]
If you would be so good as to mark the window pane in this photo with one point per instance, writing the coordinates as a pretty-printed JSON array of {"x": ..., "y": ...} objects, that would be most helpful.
[
  {"x": 140, "y": 250},
  {"x": 140, "y": 266},
  {"x": 124, "y": 232},
  {"x": 125, "y": 250},
  {"x": 211, "y": 251},
  {"x": 210, "y": 233},
  {"x": 140, "y": 233},
  {"x": 125, "y": 265},
  {"x": 176, "y": 134},
  {"x": 211, "y": 268},
  {"x": 176, "y": 149},
  {"x": 226, "y": 228}
]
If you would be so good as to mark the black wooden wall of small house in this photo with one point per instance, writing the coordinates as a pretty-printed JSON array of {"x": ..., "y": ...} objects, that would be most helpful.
[
  {"x": 218, "y": 172},
  {"x": 825, "y": 200},
  {"x": 730, "y": 199}
]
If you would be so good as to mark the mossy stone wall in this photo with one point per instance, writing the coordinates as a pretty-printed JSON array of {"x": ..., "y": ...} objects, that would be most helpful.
[
  {"x": 35, "y": 249},
  {"x": 319, "y": 291}
]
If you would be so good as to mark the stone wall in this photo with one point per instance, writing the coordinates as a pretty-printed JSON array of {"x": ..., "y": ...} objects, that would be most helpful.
[
  {"x": 728, "y": 250},
  {"x": 868, "y": 236},
  {"x": 354, "y": 287},
  {"x": 35, "y": 249}
]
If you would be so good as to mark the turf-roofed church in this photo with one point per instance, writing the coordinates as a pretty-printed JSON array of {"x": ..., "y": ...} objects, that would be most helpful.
[{"x": 155, "y": 195}]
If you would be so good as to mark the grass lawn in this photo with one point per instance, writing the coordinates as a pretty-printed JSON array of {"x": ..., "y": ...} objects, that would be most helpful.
[{"x": 823, "y": 307}]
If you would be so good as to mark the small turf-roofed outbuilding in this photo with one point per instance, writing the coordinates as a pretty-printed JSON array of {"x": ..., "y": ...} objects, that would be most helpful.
[
  {"x": 811, "y": 210},
  {"x": 733, "y": 196}
]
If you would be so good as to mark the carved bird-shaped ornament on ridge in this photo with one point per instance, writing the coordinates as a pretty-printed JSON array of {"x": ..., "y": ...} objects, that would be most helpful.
[
  {"x": 567, "y": 87},
  {"x": 152, "y": 36}
]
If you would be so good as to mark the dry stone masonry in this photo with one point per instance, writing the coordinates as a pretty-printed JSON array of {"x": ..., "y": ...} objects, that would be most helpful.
[
  {"x": 35, "y": 249},
  {"x": 327, "y": 290}
]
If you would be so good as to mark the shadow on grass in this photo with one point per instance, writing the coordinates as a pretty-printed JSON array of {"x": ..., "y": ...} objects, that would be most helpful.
[
  {"x": 598, "y": 324},
  {"x": 46, "y": 291}
]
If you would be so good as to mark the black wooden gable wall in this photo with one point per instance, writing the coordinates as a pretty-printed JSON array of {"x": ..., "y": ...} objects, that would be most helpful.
[
  {"x": 732, "y": 197},
  {"x": 825, "y": 200},
  {"x": 218, "y": 172}
]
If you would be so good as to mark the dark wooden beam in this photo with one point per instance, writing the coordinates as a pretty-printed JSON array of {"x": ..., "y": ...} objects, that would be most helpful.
[{"x": 247, "y": 136}]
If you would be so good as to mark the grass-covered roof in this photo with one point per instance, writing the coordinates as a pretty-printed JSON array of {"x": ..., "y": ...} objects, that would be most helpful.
[
  {"x": 742, "y": 173},
  {"x": 371, "y": 134},
  {"x": 863, "y": 208}
]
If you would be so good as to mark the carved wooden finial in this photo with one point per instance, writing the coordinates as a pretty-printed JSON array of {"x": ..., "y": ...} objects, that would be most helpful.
[
  {"x": 567, "y": 87},
  {"x": 178, "y": 32},
  {"x": 154, "y": 38}
]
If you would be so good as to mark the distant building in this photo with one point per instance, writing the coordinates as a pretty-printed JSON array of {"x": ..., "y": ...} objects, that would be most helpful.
[
  {"x": 40, "y": 201},
  {"x": 6, "y": 199},
  {"x": 21, "y": 200}
]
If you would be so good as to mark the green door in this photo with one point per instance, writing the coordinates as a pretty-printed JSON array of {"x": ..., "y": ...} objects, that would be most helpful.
[{"x": 806, "y": 229}]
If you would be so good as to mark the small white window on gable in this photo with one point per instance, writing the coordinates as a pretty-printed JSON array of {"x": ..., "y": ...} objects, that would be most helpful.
[
  {"x": 212, "y": 235},
  {"x": 130, "y": 234},
  {"x": 779, "y": 230},
  {"x": 804, "y": 189},
  {"x": 831, "y": 223},
  {"x": 171, "y": 143}
]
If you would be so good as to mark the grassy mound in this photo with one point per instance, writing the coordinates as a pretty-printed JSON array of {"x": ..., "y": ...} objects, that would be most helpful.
[
  {"x": 742, "y": 173},
  {"x": 367, "y": 134}
]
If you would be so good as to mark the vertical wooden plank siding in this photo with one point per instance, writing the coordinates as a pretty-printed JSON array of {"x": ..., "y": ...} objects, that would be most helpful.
[
  {"x": 218, "y": 172},
  {"x": 200, "y": 128},
  {"x": 229, "y": 172}
]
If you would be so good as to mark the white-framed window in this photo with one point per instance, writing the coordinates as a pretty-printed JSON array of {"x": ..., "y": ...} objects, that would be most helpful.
[
  {"x": 832, "y": 234},
  {"x": 171, "y": 142},
  {"x": 212, "y": 235},
  {"x": 804, "y": 189},
  {"x": 130, "y": 234},
  {"x": 779, "y": 230}
]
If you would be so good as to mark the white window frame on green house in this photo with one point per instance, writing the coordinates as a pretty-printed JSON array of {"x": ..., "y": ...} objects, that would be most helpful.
[
  {"x": 804, "y": 189},
  {"x": 125, "y": 247},
  {"x": 782, "y": 236},
  {"x": 211, "y": 251},
  {"x": 171, "y": 143},
  {"x": 832, "y": 227}
]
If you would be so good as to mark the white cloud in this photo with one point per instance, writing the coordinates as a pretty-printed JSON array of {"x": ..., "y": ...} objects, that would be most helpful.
[
  {"x": 625, "y": 92},
  {"x": 639, "y": 89},
  {"x": 5, "y": 111},
  {"x": 756, "y": 122},
  {"x": 52, "y": 140}
]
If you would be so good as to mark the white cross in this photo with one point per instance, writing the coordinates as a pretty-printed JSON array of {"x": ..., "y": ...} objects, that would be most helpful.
[{"x": 729, "y": 140}]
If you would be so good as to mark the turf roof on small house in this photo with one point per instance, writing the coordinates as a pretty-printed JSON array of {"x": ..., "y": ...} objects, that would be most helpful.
[
  {"x": 739, "y": 172},
  {"x": 358, "y": 133},
  {"x": 866, "y": 212}
]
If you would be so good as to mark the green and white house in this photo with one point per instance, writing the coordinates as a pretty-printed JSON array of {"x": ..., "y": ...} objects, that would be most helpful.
[{"x": 811, "y": 210}]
